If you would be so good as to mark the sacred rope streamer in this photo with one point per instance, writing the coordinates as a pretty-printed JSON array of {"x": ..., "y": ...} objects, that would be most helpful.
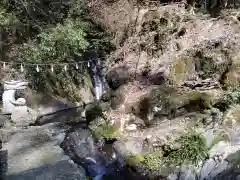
[{"x": 38, "y": 67}]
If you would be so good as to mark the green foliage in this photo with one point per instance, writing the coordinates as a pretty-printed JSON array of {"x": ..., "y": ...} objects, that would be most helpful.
[
  {"x": 104, "y": 130},
  {"x": 189, "y": 148},
  {"x": 134, "y": 159},
  {"x": 93, "y": 111},
  {"x": 153, "y": 161},
  {"x": 6, "y": 19},
  {"x": 51, "y": 32},
  {"x": 60, "y": 44},
  {"x": 98, "y": 124},
  {"x": 57, "y": 44},
  {"x": 192, "y": 149},
  {"x": 234, "y": 95}
]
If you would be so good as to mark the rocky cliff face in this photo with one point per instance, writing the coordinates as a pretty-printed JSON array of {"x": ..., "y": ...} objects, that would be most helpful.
[
  {"x": 171, "y": 111},
  {"x": 176, "y": 72}
]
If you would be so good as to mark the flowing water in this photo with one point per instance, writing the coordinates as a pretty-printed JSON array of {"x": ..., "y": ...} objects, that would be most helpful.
[
  {"x": 97, "y": 158},
  {"x": 97, "y": 81}
]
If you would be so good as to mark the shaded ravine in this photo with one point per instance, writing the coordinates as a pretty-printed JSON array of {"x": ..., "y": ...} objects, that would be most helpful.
[
  {"x": 79, "y": 143},
  {"x": 96, "y": 157},
  {"x": 80, "y": 146}
]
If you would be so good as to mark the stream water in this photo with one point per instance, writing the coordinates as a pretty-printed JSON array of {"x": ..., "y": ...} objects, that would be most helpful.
[
  {"x": 98, "y": 159},
  {"x": 97, "y": 81}
]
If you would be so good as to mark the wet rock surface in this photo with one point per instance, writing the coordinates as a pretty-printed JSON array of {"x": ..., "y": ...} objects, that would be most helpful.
[
  {"x": 34, "y": 153},
  {"x": 81, "y": 147},
  {"x": 62, "y": 170}
]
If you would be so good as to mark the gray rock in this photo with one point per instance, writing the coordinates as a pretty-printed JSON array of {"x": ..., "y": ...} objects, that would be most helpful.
[
  {"x": 227, "y": 170},
  {"x": 61, "y": 170},
  {"x": 235, "y": 138},
  {"x": 33, "y": 148},
  {"x": 23, "y": 116},
  {"x": 172, "y": 176},
  {"x": 218, "y": 169},
  {"x": 187, "y": 174},
  {"x": 238, "y": 177},
  {"x": 207, "y": 168},
  {"x": 3, "y": 119},
  {"x": 120, "y": 148},
  {"x": 80, "y": 146},
  {"x": 209, "y": 137},
  {"x": 133, "y": 145}
]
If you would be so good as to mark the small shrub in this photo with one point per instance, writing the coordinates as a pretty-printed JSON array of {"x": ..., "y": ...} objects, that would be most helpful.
[
  {"x": 93, "y": 111},
  {"x": 153, "y": 161},
  {"x": 102, "y": 130},
  {"x": 134, "y": 159},
  {"x": 234, "y": 95},
  {"x": 192, "y": 149},
  {"x": 7, "y": 19}
]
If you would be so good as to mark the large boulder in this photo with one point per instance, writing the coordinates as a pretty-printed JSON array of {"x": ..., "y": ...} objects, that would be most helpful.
[
  {"x": 62, "y": 170},
  {"x": 81, "y": 147},
  {"x": 34, "y": 148}
]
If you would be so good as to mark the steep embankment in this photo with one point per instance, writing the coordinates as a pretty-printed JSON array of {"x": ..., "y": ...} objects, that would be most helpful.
[{"x": 174, "y": 88}]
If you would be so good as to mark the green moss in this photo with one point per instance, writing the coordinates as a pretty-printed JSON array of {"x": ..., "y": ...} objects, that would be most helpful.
[
  {"x": 93, "y": 111},
  {"x": 179, "y": 100},
  {"x": 103, "y": 130},
  {"x": 134, "y": 159},
  {"x": 182, "y": 68},
  {"x": 232, "y": 77},
  {"x": 189, "y": 148},
  {"x": 151, "y": 161},
  {"x": 170, "y": 103},
  {"x": 7, "y": 19}
]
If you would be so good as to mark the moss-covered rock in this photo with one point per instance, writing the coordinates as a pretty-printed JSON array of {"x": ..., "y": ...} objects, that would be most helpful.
[
  {"x": 189, "y": 148},
  {"x": 199, "y": 63},
  {"x": 103, "y": 130},
  {"x": 98, "y": 124},
  {"x": 183, "y": 68},
  {"x": 93, "y": 111},
  {"x": 232, "y": 116},
  {"x": 232, "y": 77},
  {"x": 216, "y": 98},
  {"x": 150, "y": 165},
  {"x": 112, "y": 99},
  {"x": 167, "y": 102}
]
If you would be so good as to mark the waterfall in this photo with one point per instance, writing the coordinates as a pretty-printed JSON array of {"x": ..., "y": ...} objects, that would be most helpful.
[{"x": 96, "y": 78}]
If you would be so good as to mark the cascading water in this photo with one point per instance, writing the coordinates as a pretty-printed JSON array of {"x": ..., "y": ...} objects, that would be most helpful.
[{"x": 96, "y": 77}]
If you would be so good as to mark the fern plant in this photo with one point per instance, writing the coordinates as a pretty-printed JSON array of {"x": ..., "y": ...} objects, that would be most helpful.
[{"x": 192, "y": 149}]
